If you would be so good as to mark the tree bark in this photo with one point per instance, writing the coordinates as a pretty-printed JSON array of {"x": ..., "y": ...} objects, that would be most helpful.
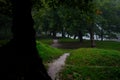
[
  {"x": 21, "y": 59},
  {"x": 92, "y": 38},
  {"x": 80, "y": 35},
  {"x": 54, "y": 35},
  {"x": 63, "y": 33},
  {"x": 101, "y": 35},
  {"x": 75, "y": 36}
]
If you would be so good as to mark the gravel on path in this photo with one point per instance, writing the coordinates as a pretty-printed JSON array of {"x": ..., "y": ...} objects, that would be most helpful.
[{"x": 56, "y": 66}]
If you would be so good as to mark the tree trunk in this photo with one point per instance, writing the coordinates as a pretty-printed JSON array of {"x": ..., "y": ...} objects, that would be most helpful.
[
  {"x": 22, "y": 61},
  {"x": 101, "y": 35},
  {"x": 50, "y": 33},
  {"x": 63, "y": 33},
  {"x": 92, "y": 38},
  {"x": 96, "y": 37},
  {"x": 54, "y": 34},
  {"x": 68, "y": 36},
  {"x": 46, "y": 33},
  {"x": 75, "y": 36},
  {"x": 80, "y": 35}
]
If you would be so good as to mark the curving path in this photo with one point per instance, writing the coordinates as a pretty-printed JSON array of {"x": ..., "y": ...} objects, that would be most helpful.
[{"x": 56, "y": 66}]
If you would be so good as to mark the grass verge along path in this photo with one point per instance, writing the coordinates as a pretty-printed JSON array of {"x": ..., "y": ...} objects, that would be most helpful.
[{"x": 47, "y": 52}]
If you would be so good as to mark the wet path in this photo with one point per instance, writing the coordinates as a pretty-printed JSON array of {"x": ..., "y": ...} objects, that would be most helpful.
[
  {"x": 55, "y": 43},
  {"x": 56, "y": 66},
  {"x": 66, "y": 45}
]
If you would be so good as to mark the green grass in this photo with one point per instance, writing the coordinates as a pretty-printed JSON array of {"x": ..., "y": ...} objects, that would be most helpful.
[
  {"x": 92, "y": 64},
  {"x": 109, "y": 45},
  {"x": 48, "y": 41},
  {"x": 68, "y": 40},
  {"x": 47, "y": 52}
]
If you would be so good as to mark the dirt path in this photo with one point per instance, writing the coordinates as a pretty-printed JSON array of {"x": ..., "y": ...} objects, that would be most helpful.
[
  {"x": 55, "y": 43},
  {"x": 66, "y": 45},
  {"x": 56, "y": 66}
]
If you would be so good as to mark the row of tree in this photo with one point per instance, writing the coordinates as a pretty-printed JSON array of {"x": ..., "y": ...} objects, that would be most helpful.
[
  {"x": 72, "y": 17},
  {"x": 77, "y": 18},
  {"x": 65, "y": 17}
]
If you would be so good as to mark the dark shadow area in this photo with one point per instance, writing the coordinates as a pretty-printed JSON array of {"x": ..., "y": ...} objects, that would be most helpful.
[{"x": 19, "y": 57}]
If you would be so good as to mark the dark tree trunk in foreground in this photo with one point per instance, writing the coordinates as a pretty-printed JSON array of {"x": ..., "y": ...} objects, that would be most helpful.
[{"x": 19, "y": 57}]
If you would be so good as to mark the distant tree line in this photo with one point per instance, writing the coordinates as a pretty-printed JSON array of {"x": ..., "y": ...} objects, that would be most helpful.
[
  {"x": 71, "y": 17},
  {"x": 78, "y": 18}
]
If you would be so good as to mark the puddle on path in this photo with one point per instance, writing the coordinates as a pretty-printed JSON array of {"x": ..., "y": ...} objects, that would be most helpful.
[{"x": 56, "y": 66}]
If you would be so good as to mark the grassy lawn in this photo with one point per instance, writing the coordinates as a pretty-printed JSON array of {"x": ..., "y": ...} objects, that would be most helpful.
[
  {"x": 100, "y": 63},
  {"x": 48, "y": 41},
  {"x": 47, "y": 52},
  {"x": 68, "y": 40},
  {"x": 92, "y": 64},
  {"x": 109, "y": 45}
]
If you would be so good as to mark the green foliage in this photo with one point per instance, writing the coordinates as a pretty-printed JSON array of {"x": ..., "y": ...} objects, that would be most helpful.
[
  {"x": 110, "y": 12},
  {"x": 37, "y": 4},
  {"x": 5, "y": 19},
  {"x": 5, "y": 7},
  {"x": 58, "y": 16},
  {"x": 5, "y": 26},
  {"x": 92, "y": 64},
  {"x": 96, "y": 16}
]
